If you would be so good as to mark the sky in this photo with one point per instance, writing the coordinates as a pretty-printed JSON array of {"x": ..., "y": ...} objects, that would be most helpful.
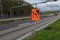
[
  {"x": 46, "y": 6},
  {"x": 34, "y": 1},
  {"x": 53, "y": 6}
]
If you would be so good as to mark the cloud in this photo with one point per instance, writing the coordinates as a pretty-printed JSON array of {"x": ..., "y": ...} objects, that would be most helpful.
[
  {"x": 52, "y": 6},
  {"x": 34, "y": 1}
]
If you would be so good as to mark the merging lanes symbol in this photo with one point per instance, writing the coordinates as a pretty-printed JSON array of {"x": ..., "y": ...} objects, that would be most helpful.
[{"x": 35, "y": 14}]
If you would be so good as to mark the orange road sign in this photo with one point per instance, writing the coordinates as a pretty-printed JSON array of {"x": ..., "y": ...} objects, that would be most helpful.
[{"x": 35, "y": 14}]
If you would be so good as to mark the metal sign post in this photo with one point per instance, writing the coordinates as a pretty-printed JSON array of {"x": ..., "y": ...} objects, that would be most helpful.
[
  {"x": 36, "y": 27},
  {"x": 36, "y": 22},
  {"x": 35, "y": 16}
]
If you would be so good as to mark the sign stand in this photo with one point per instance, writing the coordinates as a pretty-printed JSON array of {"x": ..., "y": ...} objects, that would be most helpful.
[
  {"x": 36, "y": 27},
  {"x": 35, "y": 17}
]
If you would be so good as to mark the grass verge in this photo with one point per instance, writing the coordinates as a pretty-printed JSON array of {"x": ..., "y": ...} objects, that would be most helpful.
[{"x": 52, "y": 32}]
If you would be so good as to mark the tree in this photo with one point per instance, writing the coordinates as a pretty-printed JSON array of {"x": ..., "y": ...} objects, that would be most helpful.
[{"x": 8, "y": 4}]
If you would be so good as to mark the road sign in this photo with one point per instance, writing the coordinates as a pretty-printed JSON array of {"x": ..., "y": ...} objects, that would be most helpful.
[{"x": 35, "y": 14}]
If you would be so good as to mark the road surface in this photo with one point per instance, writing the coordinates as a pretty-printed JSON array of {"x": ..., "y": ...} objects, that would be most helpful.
[{"x": 14, "y": 30}]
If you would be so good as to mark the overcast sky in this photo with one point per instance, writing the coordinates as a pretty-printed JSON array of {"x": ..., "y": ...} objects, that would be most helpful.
[
  {"x": 35, "y": 1},
  {"x": 44, "y": 6}
]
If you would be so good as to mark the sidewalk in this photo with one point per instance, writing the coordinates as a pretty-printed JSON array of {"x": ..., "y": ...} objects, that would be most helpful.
[{"x": 14, "y": 18}]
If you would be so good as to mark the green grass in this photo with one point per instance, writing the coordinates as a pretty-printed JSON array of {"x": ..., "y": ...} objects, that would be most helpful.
[
  {"x": 55, "y": 25},
  {"x": 48, "y": 34}
]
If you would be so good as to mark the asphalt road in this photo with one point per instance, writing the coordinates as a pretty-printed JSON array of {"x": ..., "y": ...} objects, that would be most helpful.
[
  {"x": 15, "y": 24},
  {"x": 14, "y": 30}
]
